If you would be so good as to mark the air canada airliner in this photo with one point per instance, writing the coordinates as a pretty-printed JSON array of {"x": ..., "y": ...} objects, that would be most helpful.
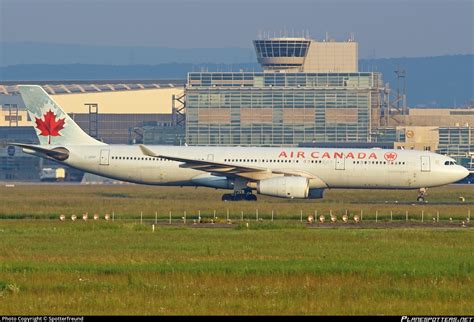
[{"x": 273, "y": 171}]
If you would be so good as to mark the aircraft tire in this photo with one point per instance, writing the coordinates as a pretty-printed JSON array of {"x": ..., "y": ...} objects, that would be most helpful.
[
  {"x": 251, "y": 197},
  {"x": 227, "y": 197},
  {"x": 238, "y": 197}
]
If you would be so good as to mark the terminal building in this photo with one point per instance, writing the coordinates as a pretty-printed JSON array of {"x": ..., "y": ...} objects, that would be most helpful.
[
  {"x": 274, "y": 109},
  {"x": 309, "y": 91},
  {"x": 112, "y": 112}
]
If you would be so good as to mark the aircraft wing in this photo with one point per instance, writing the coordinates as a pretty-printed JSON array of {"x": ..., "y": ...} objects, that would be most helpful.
[{"x": 226, "y": 169}]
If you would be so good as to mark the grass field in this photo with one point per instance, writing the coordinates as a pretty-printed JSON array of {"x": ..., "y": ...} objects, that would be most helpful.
[
  {"x": 49, "y": 201},
  {"x": 122, "y": 267}
]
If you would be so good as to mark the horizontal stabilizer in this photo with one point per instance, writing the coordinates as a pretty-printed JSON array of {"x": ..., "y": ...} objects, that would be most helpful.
[{"x": 58, "y": 153}]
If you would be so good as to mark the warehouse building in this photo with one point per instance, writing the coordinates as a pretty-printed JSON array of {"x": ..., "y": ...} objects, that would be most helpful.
[{"x": 114, "y": 113}]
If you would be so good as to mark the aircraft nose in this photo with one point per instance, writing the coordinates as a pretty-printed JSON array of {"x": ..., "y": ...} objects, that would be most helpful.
[{"x": 463, "y": 172}]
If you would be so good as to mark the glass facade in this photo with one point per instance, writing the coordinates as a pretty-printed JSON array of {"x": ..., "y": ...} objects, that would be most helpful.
[
  {"x": 14, "y": 164},
  {"x": 275, "y": 109},
  {"x": 116, "y": 128},
  {"x": 281, "y": 48},
  {"x": 163, "y": 135},
  {"x": 19, "y": 166},
  {"x": 456, "y": 140},
  {"x": 282, "y": 54},
  {"x": 389, "y": 134},
  {"x": 458, "y": 143}
]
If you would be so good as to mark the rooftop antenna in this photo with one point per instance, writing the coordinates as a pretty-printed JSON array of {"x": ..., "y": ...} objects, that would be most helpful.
[
  {"x": 401, "y": 98},
  {"x": 371, "y": 67}
]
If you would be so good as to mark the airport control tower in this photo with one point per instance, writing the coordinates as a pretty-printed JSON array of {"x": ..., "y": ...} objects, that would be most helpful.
[
  {"x": 310, "y": 91},
  {"x": 307, "y": 55}
]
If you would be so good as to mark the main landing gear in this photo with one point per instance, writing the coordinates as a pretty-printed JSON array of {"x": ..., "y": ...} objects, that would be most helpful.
[
  {"x": 421, "y": 195},
  {"x": 240, "y": 195}
]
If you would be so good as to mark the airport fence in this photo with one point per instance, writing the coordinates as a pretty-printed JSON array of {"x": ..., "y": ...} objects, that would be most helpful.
[{"x": 198, "y": 217}]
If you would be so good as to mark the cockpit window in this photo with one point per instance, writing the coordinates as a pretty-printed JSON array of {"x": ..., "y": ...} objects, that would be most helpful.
[{"x": 449, "y": 163}]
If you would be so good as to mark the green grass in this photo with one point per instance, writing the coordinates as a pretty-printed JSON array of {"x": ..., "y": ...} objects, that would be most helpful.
[
  {"x": 50, "y": 267},
  {"x": 49, "y": 201},
  {"x": 114, "y": 268}
]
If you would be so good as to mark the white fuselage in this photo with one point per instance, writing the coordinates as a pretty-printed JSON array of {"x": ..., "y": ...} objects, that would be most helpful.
[{"x": 337, "y": 168}]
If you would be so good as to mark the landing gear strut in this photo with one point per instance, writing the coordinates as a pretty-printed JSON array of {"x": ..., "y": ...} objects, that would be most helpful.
[
  {"x": 245, "y": 194},
  {"x": 421, "y": 195}
]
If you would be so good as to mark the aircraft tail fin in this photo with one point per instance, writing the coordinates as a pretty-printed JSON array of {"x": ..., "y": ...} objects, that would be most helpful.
[{"x": 53, "y": 126}]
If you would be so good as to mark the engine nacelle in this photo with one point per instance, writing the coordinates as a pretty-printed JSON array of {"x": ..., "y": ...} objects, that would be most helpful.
[
  {"x": 284, "y": 187},
  {"x": 208, "y": 180}
]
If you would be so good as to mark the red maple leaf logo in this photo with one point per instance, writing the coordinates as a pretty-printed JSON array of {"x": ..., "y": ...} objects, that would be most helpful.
[
  {"x": 390, "y": 156},
  {"x": 49, "y": 127}
]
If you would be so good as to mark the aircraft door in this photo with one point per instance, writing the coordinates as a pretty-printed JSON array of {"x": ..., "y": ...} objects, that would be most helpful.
[
  {"x": 104, "y": 157},
  {"x": 210, "y": 157},
  {"x": 340, "y": 163},
  {"x": 425, "y": 164}
]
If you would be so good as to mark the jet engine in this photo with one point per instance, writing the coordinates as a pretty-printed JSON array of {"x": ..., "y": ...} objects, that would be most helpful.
[
  {"x": 208, "y": 180},
  {"x": 284, "y": 187}
]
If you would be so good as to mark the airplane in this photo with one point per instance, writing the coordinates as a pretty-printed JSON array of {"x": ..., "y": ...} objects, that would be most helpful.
[{"x": 286, "y": 172}]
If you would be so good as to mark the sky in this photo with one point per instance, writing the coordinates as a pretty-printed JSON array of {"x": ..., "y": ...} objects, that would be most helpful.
[{"x": 383, "y": 28}]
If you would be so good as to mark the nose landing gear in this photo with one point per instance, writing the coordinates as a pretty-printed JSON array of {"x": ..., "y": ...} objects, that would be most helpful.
[{"x": 421, "y": 195}]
